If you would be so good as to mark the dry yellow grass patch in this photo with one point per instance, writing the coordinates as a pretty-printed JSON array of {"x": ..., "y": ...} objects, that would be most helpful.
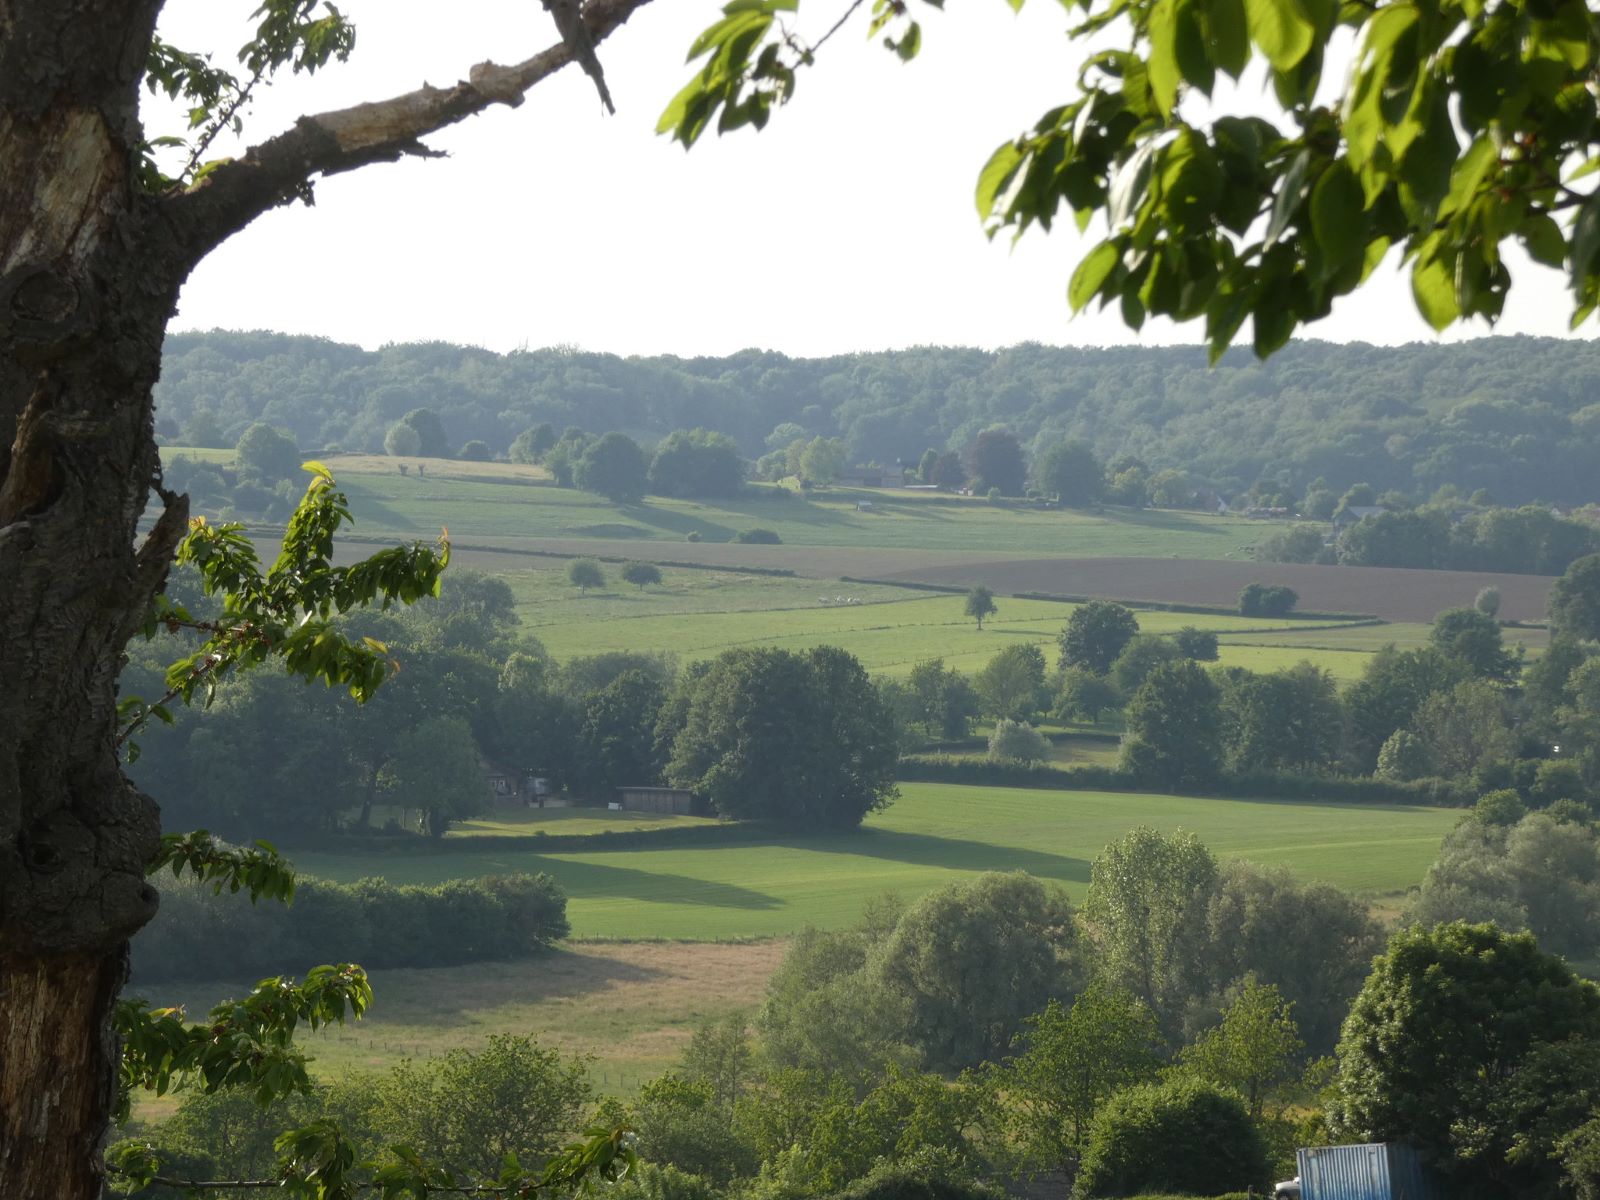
[{"x": 632, "y": 1005}]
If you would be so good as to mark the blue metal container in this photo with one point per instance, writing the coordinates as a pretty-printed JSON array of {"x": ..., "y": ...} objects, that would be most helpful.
[{"x": 1379, "y": 1171}]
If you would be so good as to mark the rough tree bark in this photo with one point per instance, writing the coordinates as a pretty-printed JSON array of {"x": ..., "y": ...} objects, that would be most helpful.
[{"x": 90, "y": 267}]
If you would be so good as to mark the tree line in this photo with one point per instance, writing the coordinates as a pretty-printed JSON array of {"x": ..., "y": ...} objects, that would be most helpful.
[
  {"x": 801, "y": 739},
  {"x": 1513, "y": 416}
]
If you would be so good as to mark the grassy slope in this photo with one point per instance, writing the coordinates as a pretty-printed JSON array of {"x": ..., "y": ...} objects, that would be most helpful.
[
  {"x": 936, "y": 833},
  {"x": 386, "y": 502}
]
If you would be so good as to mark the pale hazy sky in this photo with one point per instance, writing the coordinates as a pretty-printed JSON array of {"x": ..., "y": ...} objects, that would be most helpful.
[{"x": 847, "y": 225}]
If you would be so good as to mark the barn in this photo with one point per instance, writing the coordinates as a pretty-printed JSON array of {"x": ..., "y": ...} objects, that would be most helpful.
[{"x": 671, "y": 801}]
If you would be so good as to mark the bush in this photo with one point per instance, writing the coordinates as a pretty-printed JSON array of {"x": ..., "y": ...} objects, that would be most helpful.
[
  {"x": 402, "y": 441},
  {"x": 1404, "y": 757},
  {"x": 1503, "y": 807},
  {"x": 1017, "y": 741},
  {"x": 758, "y": 537},
  {"x": 1180, "y": 1136},
  {"x": 692, "y": 536},
  {"x": 912, "y": 1181},
  {"x": 1266, "y": 600},
  {"x": 475, "y": 451},
  {"x": 1198, "y": 644},
  {"x": 197, "y": 935}
]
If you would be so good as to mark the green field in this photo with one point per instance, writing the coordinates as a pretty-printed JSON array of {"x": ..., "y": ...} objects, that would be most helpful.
[
  {"x": 698, "y": 614},
  {"x": 934, "y": 834},
  {"x": 475, "y": 501}
]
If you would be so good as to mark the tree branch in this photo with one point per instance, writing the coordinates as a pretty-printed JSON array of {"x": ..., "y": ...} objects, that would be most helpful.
[{"x": 234, "y": 193}]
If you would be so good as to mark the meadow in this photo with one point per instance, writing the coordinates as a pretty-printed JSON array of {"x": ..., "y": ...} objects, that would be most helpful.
[
  {"x": 698, "y": 614},
  {"x": 512, "y": 501},
  {"x": 934, "y": 834},
  {"x": 631, "y": 1005}
]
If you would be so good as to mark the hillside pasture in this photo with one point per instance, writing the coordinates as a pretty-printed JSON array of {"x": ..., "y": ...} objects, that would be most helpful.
[
  {"x": 476, "y": 508},
  {"x": 934, "y": 834}
]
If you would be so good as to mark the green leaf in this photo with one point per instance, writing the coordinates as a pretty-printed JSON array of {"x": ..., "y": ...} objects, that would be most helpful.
[
  {"x": 1544, "y": 241},
  {"x": 1163, "y": 62},
  {"x": 1585, "y": 242},
  {"x": 996, "y": 176},
  {"x": 1194, "y": 58},
  {"x": 1287, "y": 200},
  {"x": 1092, "y": 273},
  {"x": 1129, "y": 185},
  {"x": 1229, "y": 35},
  {"x": 1433, "y": 285},
  {"x": 1281, "y": 30},
  {"x": 1338, "y": 218},
  {"x": 1468, "y": 174}
]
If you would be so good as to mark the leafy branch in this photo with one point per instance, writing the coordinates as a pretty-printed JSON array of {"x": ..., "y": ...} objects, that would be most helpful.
[
  {"x": 287, "y": 611},
  {"x": 304, "y": 35},
  {"x": 1461, "y": 126}
]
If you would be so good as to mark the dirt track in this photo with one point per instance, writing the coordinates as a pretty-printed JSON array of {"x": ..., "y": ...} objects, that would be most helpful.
[{"x": 1387, "y": 592}]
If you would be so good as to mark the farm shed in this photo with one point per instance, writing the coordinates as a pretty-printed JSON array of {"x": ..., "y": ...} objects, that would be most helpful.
[
  {"x": 1374, "y": 1171},
  {"x": 869, "y": 477},
  {"x": 674, "y": 801},
  {"x": 509, "y": 784}
]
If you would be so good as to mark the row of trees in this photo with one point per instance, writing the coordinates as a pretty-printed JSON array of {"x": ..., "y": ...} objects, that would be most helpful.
[
  {"x": 1531, "y": 540},
  {"x": 1514, "y": 417},
  {"x": 802, "y": 739}
]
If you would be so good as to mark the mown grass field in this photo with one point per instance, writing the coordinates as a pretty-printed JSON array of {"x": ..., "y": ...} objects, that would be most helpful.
[
  {"x": 935, "y": 833},
  {"x": 698, "y": 614}
]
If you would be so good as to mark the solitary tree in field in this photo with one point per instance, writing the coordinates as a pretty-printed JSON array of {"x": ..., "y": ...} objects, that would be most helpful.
[
  {"x": 980, "y": 604},
  {"x": 585, "y": 573},
  {"x": 641, "y": 574}
]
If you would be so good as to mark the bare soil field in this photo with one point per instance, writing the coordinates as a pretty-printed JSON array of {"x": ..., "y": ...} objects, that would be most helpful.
[{"x": 1391, "y": 593}]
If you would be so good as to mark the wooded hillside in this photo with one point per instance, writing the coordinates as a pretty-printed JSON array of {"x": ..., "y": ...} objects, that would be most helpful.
[{"x": 1518, "y": 416}]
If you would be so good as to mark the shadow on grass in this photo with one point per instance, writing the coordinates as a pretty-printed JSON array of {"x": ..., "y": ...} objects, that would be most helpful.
[
  {"x": 956, "y": 854},
  {"x": 679, "y": 523},
  {"x": 587, "y": 880}
]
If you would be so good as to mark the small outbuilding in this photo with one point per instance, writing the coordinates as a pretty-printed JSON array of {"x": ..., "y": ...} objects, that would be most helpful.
[
  {"x": 678, "y": 802},
  {"x": 1375, "y": 1171}
]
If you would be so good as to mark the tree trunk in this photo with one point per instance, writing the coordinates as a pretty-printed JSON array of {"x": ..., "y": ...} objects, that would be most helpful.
[
  {"x": 90, "y": 267},
  {"x": 84, "y": 298}
]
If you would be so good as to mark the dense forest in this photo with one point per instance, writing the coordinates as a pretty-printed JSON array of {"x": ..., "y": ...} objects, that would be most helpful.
[{"x": 1519, "y": 417}]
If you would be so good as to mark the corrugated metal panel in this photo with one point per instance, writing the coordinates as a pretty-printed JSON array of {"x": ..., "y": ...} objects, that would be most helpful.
[{"x": 1376, "y": 1171}]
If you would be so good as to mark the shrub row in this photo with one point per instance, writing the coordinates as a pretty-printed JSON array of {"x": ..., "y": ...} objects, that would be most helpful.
[
  {"x": 936, "y": 768},
  {"x": 1214, "y": 610},
  {"x": 198, "y": 935}
]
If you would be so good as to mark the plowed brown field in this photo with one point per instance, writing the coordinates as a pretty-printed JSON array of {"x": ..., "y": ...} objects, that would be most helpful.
[{"x": 1388, "y": 592}]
